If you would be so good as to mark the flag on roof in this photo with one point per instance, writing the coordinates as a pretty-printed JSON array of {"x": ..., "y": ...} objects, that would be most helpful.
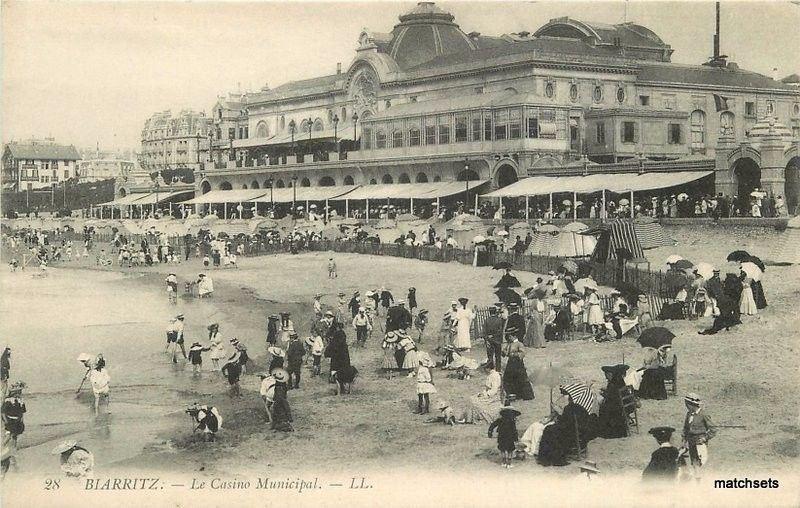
[{"x": 721, "y": 102}]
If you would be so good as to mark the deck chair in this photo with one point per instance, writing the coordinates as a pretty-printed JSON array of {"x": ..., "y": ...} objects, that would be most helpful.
[
  {"x": 628, "y": 399},
  {"x": 671, "y": 376}
]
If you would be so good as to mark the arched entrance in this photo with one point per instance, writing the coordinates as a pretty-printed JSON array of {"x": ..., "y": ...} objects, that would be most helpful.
[
  {"x": 748, "y": 177},
  {"x": 327, "y": 181},
  {"x": 467, "y": 174},
  {"x": 225, "y": 186},
  {"x": 505, "y": 175},
  {"x": 254, "y": 184},
  {"x": 205, "y": 187},
  {"x": 792, "y": 187}
]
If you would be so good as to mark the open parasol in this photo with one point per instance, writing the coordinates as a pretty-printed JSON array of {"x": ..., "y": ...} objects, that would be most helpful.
[
  {"x": 758, "y": 194},
  {"x": 683, "y": 264},
  {"x": 570, "y": 266},
  {"x": 624, "y": 201},
  {"x": 502, "y": 233},
  {"x": 550, "y": 376},
  {"x": 756, "y": 261},
  {"x": 503, "y": 265},
  {"x": 548, "y": 228},
  {"x": 683, "y": 196},
  {"x": 582, "y": 284},
  {"x": 705, "y": 269},
  {"x": 479, "y": 239},
  {"x": 567, "y": 202},
  {"x": 752, "y": 270},
  {"x": 655, "y": 337},
  {"x": 738, "y": 256},
  {"x": 507, "y": 296}
]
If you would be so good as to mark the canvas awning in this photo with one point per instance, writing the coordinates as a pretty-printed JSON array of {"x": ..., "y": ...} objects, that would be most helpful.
[
  {"x": 160, "y": 197},
  {"x": 319, "y": 193},
  {"x": 431, "y": 190},
  {"x": 227, "y": 196},
  {"x": 614, "y": 182},
  {"x": 130, "y": 199},
  {"x": 342, "y": 132}
]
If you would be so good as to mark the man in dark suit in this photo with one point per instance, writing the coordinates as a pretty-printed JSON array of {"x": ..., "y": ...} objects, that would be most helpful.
[
  {"x": 493, "y": 334},
  {"x": 399, "y": 318},
  {"x": 664, "y": 461},
  {"x": 515, "y": 324}
]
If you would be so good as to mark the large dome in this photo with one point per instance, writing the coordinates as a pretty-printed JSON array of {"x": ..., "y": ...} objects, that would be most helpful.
[{"x": 424, "y": 33}]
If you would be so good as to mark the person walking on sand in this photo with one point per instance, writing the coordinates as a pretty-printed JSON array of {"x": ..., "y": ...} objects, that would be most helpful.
[
  {"x": 100, "y": 381},
  {"x": 507, "y": 434},
  {"x": 232, "y": 371},
  {"x": 425, "y": 386},
  {"x": 5, "y": 372},
  {"x": 172, "y": 288},
  {"x": 196, "y": 357},
  {"x": 175, "y": 336},
  {"x": 294, "y": 360},
  {"x": 13, "y": 412},
  {"x": 463, "y": 324},
  {"x": 332, "y": 269}
]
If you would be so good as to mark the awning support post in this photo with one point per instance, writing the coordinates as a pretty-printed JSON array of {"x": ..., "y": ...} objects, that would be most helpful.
[
  {"x": 603, "y": 209},
  {"x": 326, "y": 210},
  {"x": 224, "y": 210},
  {"x": 367, "y": 208},
  {"x": 527, "y": 209},
  {"x": 476, "y": 203},
  {"x": 412, "y": 206},
  {"x": 574, "y": 205},
  {"x": 551, "y": 205},
  {"x": 347, "y": 208},
  {"x": 306, "y": 209},
  {"x": 631, "y": 204},
  {"x": 437, "y": 206}
]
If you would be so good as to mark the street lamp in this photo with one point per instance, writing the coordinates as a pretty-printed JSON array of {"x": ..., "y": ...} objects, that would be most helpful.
[
  {"x": 310, "y": 128},
  {"x": 157, "y": 186},
  {"x": 466, "y": 178},
  {"x": 271, "y": 202},
  {"x": 335, "y": 137}
]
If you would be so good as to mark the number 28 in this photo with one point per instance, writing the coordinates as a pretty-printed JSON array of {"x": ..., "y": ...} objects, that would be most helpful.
[{"x": 52, "y": 484}]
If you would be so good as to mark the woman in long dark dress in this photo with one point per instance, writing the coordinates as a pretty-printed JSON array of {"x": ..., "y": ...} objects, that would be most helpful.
[
  {"x": 574, "y": 424},
  {"x": 655, "y": 370},
  {"x": 338, "y": 351},
  {"x": 611, "y": 421},
  {"x": 515, "y": 377},
  {"x": 281, "y": 412},
  {"x": 272, "y": 329}
]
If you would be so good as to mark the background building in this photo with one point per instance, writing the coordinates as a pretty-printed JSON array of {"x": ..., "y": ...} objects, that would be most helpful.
[
  {"x": 430, "y": 102},
  {"x": 172, "y": 144},
  {"x": 36, "y": 164}
]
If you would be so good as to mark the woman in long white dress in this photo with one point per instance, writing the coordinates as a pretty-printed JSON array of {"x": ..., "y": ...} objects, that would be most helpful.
[
  {"x": 747, "y": 304},
  {"x": 464, "y": 319},
  {"x": 595, "y": 317}
]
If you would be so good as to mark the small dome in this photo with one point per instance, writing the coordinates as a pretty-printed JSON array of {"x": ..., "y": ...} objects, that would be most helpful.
[
  {"x": 762, "y": 129},
  {"x": 424, "y": 33}
]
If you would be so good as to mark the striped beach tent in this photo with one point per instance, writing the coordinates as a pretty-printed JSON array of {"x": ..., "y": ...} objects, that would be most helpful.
[
  {"x": 614, "y": 235},
  {"x": 650, "y": 233}
]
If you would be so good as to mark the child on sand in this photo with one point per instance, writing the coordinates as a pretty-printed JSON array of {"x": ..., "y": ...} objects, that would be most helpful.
[
  {"x": 425, "y": 385},
  {"x": 331, "y": 268},
  {"x": 507, "y": 434},
  {"x": 196, "y": 357}
]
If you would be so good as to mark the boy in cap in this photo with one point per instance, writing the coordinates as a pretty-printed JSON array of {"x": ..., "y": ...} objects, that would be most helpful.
[
  {"x": 664, "y": 461},
  {"x": 697, "y": 431}
]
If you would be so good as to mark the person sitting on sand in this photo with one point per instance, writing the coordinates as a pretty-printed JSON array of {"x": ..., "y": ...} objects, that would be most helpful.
[
  {"x": 485, "y": 406},
  {"x": 208, "y": 420},
  {"x": 75, "y": 460},
  {"x": 553, "y": 439}
]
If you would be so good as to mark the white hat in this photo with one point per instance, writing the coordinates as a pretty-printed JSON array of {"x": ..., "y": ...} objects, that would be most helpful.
[{"x": 64, "y": 446}]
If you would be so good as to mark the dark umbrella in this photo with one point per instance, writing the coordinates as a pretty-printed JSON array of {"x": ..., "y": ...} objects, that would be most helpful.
[
  {"x": 508, "y": 296},
  {"x": 683, "y": 264},
  {"x": 503, "y": 265},
  {"x": 738, "y": 256},
  {"x": 655, "y": 337},
  {"x": 508, "y": 281},
  {"x": 756, "y": 261}
]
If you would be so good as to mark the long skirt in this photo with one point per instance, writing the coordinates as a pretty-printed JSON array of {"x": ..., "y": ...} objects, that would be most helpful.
[
  {"x": 515, "y": 379},
  {"x": 534, "y": 332},
  {"x": 389, "y": 361},
  {"x": 595, "y": 315},
  {"x": 486, "y": 409},
  {"x": 758, "y": 294},
  {"x": 652, "y": 384},
  {"x": 747, "y": 305},
  {"x": 410, "y": 361},
  {"x": 281, "y": 414},
  {"x": 533, "y": 436}
]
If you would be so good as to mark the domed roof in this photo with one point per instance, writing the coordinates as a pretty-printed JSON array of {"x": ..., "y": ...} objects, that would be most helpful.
[
  {"x": 763, "y": 127},
  {"x": 424, "y": 33}
]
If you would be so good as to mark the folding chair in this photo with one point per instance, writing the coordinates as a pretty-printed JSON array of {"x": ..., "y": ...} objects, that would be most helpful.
[
  {"x": 671, "y": 376},
  {"x": 628, "y": 400}
]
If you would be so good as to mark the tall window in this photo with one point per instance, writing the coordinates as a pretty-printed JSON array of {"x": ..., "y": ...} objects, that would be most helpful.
[
  {"x": 397, "y": 139},
  {"x": 601, "y": 133},
  {"x": 698, "y": 122},
  {"x": 532, "y": 115},
  {"x": 548, "y": 128},
  {"x": 501, "y": 124},
  {"x": 674, "y": 130},
  {"x": 515, "y": 123},
  {"x": 628, "y": 132},
  {"x": 380, "y": 139},
  {"x": 366, "y": 137},
  {"x": 444, "y": 129},
  {"x": 430, "y": 130},
  {"x": 476, "y": 126},
  {"x": 261, "y": 130},
  {"x": 461, "y": 128},
  {"x": 413, "y": 136},
  {"x": 487, "y": 125}
]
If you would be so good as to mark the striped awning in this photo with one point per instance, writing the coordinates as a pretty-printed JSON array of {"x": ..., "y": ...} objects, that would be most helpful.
[
  {"x": 613, "y": 235},
  {"x": 651, "y": 235}
]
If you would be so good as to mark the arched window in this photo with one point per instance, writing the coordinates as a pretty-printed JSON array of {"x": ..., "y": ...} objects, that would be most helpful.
[
  {"x": 387, "y": 179},
  {"x": 225, "y": 186},
  {"x": 279, "y": 184},
  {"x": 283, "y": 122},
  {"x": 397, "y": 139},
  {"x": 348, "y": 180},
  {"x": 326, "y": 181},
  {"x": 261, "y": 130},
  {"x": 254, "y": 185},
  {"x": 305, "y": 182},
  {"x": 343, "y": 116},
  {"x": 305, "y": 125},
  {"x": 422, "y": 178},
  {"x": 726, "y": 124},
  {"x": 380, "y": 139},
  {"x": 698, "y": 128},
  {"x": 318, "y": 125},
  {"x": 404, "y": 178},
  {"x": 437, "y": 178},
  {"x": 372, "y": 181}
]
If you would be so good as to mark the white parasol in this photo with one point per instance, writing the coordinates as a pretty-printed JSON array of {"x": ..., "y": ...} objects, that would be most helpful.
[
  {"x": 478, "y": 239},
  {"x": 705, "y": 269},
  {"x": 674, "y": 258},
  {"x": 624, "y": 201},
  {"x": 752, "y": 270}
]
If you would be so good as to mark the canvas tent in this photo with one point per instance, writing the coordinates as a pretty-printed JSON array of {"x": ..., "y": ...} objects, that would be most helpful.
[
  {"x": 650, "y": 233},
  {"x": 613, "y": 235}
]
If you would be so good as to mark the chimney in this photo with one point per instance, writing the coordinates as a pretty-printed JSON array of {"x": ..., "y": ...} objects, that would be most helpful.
[
  {"x": 716, "y": 35},
  {"x": 338, "y": 67}
]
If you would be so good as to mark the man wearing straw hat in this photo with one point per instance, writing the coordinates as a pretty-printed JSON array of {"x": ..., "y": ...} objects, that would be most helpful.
[{"x": 697, "y": 431}]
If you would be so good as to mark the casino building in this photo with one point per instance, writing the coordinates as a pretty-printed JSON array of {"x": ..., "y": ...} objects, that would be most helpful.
[{"x": 432, "y": 103}]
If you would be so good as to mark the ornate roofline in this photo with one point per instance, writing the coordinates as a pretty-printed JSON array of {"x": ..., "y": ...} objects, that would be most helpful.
[{"x": 720, "y": 88}]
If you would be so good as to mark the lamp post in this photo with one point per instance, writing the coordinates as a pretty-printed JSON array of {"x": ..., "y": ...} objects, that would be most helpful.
[
  {"x": 355, "y": 127},
  {"x": 294, "y": 193},
  {"x": 157, "y": 186},
  {"x": 466, "y": 178},
  {"x": 335, "y": 137},
  {"x": 310, "y": 128},
  {"x": 292, "y": 127},
  {"x": 271, "y": 202},
  {"x": 210, "y": 145}
]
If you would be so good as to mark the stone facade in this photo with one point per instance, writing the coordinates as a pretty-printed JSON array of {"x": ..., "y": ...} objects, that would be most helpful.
[{"x": 174, "y": 142}]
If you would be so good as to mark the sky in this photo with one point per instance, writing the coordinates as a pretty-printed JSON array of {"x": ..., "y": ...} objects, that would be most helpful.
[{"x": 93, "y": 72}]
